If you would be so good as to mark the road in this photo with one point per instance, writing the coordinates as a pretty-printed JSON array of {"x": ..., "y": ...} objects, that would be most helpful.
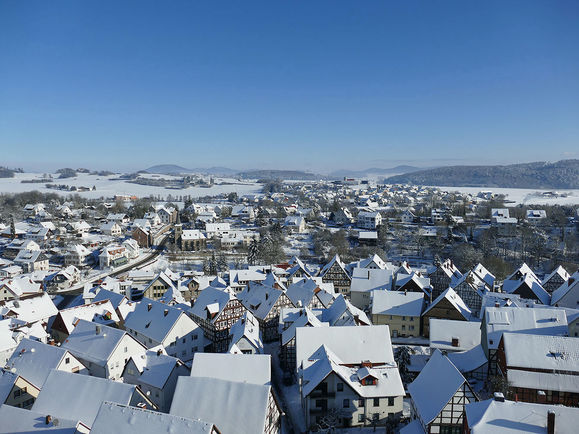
[{"x": 78, "y": 289}]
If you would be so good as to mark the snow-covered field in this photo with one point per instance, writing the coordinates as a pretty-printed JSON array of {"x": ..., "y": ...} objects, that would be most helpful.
[
  {"x": 108, "y": 186},
  {"x": 524, "y": 196}
]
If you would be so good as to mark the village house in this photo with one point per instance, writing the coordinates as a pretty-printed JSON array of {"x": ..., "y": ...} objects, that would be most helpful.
[
  {"x": 540, "y": 368},
  {"x": 500, "y": 415},
  {"x": 100, "y": 312},
  {"x": 79, "y": 256},
  {"x": 103, "y": 350},
  {"x": 156, "y": 374},
  {"x": 443, "y": 411},
  {"x": 33, "y": 361},
  {"x": 111, "y": 228},
  {"x": 498, "y": 320},
  {"x": 335, "y": 272},
  {"x": 555, "y": 279},
  {"x": 216, "y": 310},
  {"x": 448, "y": 305},
  {"x": 114, "y": 417},
  {"x": 80, "y": 396},
  {"x": 399, "y": 310},
  {"x": 370, "y": 220},
  {"x": 445, "y": 275},
  {"x": 265, "y": 303},
  {"x": 245, "y": 336},
  {"x": 311, "y": 293},
  {"x": 153, "y": 323},
  {"x": 350, "y": 371},
  {"x": 366, "y": 280}
]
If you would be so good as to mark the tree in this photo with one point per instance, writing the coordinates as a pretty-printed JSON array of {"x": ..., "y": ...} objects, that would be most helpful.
[
  {"x": 12, "y": 228},
  {"x": 221, "y": 266},
  {"x": 253, "y": 252},
  {"x": 403, "y": 361}
]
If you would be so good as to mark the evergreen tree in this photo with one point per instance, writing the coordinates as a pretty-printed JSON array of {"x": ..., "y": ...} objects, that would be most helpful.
[
  {"x": 403, "y": 360},
  {"x": 12, "y": 228},
  {"x": 253, "y": 252}
]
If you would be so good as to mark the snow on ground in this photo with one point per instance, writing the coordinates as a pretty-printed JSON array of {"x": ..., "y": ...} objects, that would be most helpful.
[
  {"x": 523, "y": 195},
  {"x": 109, "y": 186}
]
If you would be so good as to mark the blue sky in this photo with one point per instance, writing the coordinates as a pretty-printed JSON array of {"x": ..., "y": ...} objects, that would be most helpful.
[{"x": 312, "y": 85}]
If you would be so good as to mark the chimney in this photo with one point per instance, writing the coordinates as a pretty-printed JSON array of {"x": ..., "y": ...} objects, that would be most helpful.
[
  {"x": 149, "y": 307},
  {"x": 266, "y": 295},
  {"x": 497, "y": 304},
  {"x": 48, "y": 419},
  {"x": 550, "y": 422},
  {"x": 159, "y": 352},
  {"x": 98, "y": 329},
  {"x": 165, "y": 312},
  {"x": 499, "y": 397},
  {"x": 455, "y": 342}
]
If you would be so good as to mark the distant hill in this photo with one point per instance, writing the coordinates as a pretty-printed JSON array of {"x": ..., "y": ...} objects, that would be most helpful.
[
  {"x": 167, "y": 169},
  {"x": 540, "y": 175},
  {"x": 279, "y": 174},
  {"x": 398, "y": 170},
  {"x": 173, "y": 169}
]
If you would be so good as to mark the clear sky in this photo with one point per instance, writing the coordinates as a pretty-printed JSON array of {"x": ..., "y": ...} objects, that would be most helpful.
[{"x": 310, "y": 85}]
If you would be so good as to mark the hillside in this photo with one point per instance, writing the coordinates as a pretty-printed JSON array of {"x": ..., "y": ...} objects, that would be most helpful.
[
  {"x": 541, "y": 175},
  {"x": 398, "y": 170},
  {"x": 279, "y": 174},
  {"x": 167, "y": 169}
]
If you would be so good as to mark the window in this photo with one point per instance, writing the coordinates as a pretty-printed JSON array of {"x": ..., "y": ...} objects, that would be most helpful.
[
  {"x": 346, "y": 403},
  {"x": 390, "y": 401},
  {"x": 361, "y": 403},
  {"x": 184, "y": 340},
  {"x": 411, "y": 318},
  {"x": 491, "y": 341},
  {"x": 403, "y": 318},
  {"x": 410, "y": 327},
  {"x": 193, "y": 337},
  {"x": 360, "y": 418},
  {"x": 126, "y": 349},
  {"x": 67, "y": 360},
  {"x": 340, "y": 387},
  {"x": 403, "y": 327},
  {"x": 376, "y": 402}
]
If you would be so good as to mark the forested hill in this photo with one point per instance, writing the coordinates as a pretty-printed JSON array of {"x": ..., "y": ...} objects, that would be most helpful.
[{"x": 541, "y": 175}]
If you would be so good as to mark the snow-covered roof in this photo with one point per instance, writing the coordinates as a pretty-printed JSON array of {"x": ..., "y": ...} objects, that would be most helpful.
[
  {"x": 259, "y": 299},
  {"x": 509, "y": 417},
  {"x": 302, "y": 291},
  {"x": 443, "y": 331},
  {"x": 114, "y": 417},
  {"x": 21, "y": 421},
  {"x": 102, "y": 312},
  {"x": 154, "y": 319},
  {"x": 468, "y": 361},
  {"x": 552, "y": 353},
  {"x": 398, "y": 303},
  {"x": 94, "y": 342},
  {"x": 233, "y": 407},
  {"x": 244, "y": 368},
  {"x": 511, "y": 286},
  {"x": 344, "y": 313},
  {"x": 31, "y": 308},
  {"x": 192, "y": 234},
  {"x": 155, "y": 367},
  {"x": 368, "y": 279},
  {"x": 570, "y": 284},
  {"x": 454, "y": 299},
  {"x": 34, "y": 360},
  {"x": 435, "y": 386},
  {"x": 351, "y": 344},
  {"x": 115, "y": 298},
  {"x": 543, "y": 321},
  {"x": 212, "y": 300},
  {"x": 246, "y": 327},
  {"x": 388, "y": 378},
  {"x": 559, "y": 271},
  {"x": 79, "y": 396}
]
